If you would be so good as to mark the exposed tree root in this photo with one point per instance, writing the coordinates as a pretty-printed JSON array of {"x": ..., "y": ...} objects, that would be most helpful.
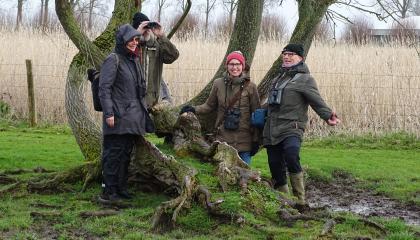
[
  {"x": 10, "y": 188},
  {"x": 230, "y": 168},
  {"x": 204, "y": 197},
  {"x": 164, "y": 116},
  {"x": 331, "y": 222},
  {"x": 166, "y": 208},
  {"x": 22, "y": 171},
  {"x": 163, "y": 170},
  {"x": 4, "y": 179},
  {"x": 328, "y": 227},
  {"x": 44, "y": 205},
  {"x": 152, "y": 169},
  {"x": 289, "y": 218},
  {"x": 187, "y": 137},
  {"x": 46, "y": 215},
  {"x": 367, "y": 223},
  {"x": 57, "y": 182},
  {"x": 100, "y": 213}
]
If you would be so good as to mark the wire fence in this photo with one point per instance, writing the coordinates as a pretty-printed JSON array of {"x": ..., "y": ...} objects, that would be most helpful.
[{"x": 364, "y": 101}]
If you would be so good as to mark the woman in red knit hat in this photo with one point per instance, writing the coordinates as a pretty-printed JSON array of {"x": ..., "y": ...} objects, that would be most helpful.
[{"x": 234, "y": 97}]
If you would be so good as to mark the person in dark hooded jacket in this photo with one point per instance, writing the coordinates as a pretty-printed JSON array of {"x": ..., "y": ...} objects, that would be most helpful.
[
  {"x": 288, "y": 101},
  {"x": 122, "y": 89}
]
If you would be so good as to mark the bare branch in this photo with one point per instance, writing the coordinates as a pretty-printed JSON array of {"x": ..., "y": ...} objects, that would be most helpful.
[
  {"x": 361, "y": 7},
  {"x": 338, "y": 16}
]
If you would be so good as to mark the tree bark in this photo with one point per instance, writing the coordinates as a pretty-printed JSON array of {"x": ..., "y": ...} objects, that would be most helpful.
[
  {"x": 185, "y": 10},
  {"x": 310, "y": 16},
  {"x": 45, "y": 17},
  {"x": 210, "y": 4},
  {"x": 90, "y": 17},
  {"x": 19, "y": 14},
  {"x": 41, "y": 14}
]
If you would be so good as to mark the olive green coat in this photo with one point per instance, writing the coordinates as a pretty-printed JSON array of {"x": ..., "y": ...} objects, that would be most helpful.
[
  {"x": 155, "y": 53},
  {"x": 291, "y": 116},
  {"x": 242, "y": 138}
]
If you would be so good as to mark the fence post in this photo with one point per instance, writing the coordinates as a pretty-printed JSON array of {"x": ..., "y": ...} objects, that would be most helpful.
[{"x": 31, "y": 94}]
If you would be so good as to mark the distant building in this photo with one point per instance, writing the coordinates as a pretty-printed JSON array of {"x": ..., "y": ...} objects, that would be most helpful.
[
  {"x": 386, "y": 35},
  {"x": 410, "y": 31}
]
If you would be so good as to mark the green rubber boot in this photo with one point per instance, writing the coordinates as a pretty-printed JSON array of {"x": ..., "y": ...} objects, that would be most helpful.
[
  {"x": 298, "y": 187},
  {"x": 283, "y": 189}
]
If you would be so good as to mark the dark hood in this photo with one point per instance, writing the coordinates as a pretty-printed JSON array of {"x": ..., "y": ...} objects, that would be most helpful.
[{"x": 124, "y": 34}]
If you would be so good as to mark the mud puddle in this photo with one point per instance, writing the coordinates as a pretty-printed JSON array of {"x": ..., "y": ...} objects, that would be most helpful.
[{"x": 343, "y": 195}]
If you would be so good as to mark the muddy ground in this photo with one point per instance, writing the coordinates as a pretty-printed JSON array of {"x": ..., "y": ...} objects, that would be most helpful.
[{"x": 343, "y": 195}]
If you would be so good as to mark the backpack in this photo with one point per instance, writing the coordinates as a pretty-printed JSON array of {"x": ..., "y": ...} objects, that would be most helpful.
[{"x": 93, "y": 77}]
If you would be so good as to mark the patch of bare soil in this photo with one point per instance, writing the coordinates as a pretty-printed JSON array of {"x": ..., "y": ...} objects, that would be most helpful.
[
  {"x": 343, "y": 195},
  {"x": 45, "y": 230}
]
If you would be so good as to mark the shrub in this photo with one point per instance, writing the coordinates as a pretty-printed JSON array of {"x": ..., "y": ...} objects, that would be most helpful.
[
  {"x": 323, "y": 32},
  {"x": 4, "y": 109},
  {"x": 273, "y": 27},
  {"x": 404, "y": 32},
  {"x": 358, "y": 33}
]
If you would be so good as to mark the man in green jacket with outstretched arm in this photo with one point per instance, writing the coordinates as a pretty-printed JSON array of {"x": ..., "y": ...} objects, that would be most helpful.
[{"x": 291, "y": 94}]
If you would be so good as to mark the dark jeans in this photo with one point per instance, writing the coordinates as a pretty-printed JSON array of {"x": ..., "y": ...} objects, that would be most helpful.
[
  {"x": 116, "y": 152},
  {"x": 284, "y": 157}
]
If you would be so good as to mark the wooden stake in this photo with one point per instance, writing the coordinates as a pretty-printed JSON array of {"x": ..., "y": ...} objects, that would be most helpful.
[{"x": 31, "y": 94}]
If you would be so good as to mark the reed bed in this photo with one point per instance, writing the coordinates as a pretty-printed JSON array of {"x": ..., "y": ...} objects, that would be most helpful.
[{"x": 372, "y": 88}]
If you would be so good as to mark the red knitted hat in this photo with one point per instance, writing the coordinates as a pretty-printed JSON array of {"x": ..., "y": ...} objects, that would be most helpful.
[{"x": 236, "y": 55}]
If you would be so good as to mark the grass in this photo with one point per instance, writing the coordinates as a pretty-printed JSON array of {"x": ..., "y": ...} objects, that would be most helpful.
[
  {"x": 28, "y": 148},
  {"x": 55, "y": 148}
]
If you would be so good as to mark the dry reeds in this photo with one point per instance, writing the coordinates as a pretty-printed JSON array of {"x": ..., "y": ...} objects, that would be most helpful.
[{"x": 372, "y": 88}]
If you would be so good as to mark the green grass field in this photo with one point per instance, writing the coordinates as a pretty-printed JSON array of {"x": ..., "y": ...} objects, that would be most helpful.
[{"x": 388, "y": 165}]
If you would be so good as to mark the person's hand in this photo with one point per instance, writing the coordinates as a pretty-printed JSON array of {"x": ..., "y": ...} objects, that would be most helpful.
[
  {"x": 255, "y": 147},
  {"x": 110, "y": 121},
  {"x": 158, "y": 31},
  {"x": 333, "y": 120},
  {"x": 187, "y": 108},
  {"x": 143, "y": 29}
]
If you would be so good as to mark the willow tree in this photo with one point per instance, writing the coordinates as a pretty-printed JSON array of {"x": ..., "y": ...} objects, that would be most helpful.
[{"x": 150, "y": 165}]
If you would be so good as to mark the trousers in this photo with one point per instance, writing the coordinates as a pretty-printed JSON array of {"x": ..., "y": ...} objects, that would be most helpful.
[
  {"x": 284, "y": 157},
  {"x": 116, "y": 155}
]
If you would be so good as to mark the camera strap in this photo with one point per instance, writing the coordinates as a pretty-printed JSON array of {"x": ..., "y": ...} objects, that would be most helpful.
[
  {"x": 237, "y": 95},
  {"x": 282, "y": 86}
]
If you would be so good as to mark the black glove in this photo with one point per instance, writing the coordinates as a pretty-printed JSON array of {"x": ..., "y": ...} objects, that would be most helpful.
[
  {"x": 187, "y": 108},
  {"x": 91, "y": 74},
  {"x": 255, "y": 148}
]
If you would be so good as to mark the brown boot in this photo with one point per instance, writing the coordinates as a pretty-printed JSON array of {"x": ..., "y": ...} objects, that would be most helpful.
[{"x": 298, "y": 187}]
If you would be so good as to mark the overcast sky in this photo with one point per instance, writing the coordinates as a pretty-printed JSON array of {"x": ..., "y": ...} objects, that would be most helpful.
[{"x": 288, "y": 10}]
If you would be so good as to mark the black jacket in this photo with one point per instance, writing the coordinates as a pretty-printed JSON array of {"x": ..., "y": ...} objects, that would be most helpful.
[{"x": 122, "y": 88}]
